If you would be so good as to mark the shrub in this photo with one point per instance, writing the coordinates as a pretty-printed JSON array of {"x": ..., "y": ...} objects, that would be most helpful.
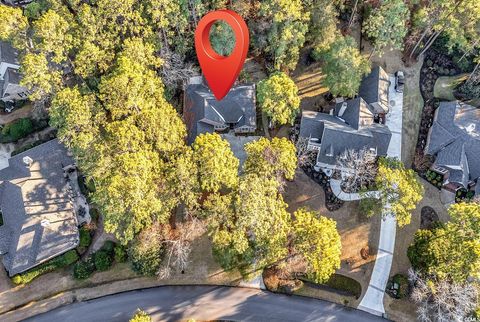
[
  {"x": 344, "y": 283},
  {"x": 85, "y": 237},
  {"x": 17, "y": 129},
  {"x": 103, "y": 260},
  {"x": 109, "y": 246},
  {"x": 64, "y": 260},
  {"x": 83, "y": 269},
  {"x": 120, "y": 254},
  {"x": 145, "y": 252},
  {"x": 403, "y": 286}
]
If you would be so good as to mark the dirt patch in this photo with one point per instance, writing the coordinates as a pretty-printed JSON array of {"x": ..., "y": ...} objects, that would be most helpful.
[
  {"x": 308, "y": 77},
  {"x": 356, "y": 231},
  {"x": 23, "y": 112}
]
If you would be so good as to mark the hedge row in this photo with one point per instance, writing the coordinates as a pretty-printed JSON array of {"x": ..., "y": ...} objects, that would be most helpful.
[
  {"x": 20, "y": 128},
  {"x": 61, "y": 261}
]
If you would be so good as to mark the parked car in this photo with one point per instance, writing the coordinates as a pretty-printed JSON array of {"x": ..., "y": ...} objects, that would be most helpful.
[{"x": 399, "y": 81}]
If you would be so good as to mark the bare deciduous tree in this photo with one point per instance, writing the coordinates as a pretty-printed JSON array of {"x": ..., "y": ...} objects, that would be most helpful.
[
  {"x": 174, "y": 70},
  {"x": 306, "y": 157},
  {"x": 442, "y": 300},
  {"x": 178, "y": 245},
  {"x": 358, "y": 169}
]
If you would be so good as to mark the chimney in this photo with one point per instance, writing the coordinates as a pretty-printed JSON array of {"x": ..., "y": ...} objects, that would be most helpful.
[{"x": 342, "y": 109}]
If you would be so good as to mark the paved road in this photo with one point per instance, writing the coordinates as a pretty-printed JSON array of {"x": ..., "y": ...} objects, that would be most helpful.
[{"x": 173, "y": 303}]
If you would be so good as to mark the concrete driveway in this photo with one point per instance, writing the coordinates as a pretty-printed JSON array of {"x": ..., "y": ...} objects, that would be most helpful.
[
  {"x": 372, "y": 301},
  {"x": 205, "y": 303}
]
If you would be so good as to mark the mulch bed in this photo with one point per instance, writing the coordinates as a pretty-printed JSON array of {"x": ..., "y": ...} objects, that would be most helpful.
[
  {"x": 331, "y": 201},
  {"x": 435, "y": 64}
]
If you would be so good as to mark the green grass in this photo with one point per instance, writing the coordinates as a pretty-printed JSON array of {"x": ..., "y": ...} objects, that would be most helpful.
[
  {"x": 341, "y": 283},
  {"x": 445, "y": 86}
]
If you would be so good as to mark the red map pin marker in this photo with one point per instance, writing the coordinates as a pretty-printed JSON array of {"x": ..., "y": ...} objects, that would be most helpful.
[{"x": 220, "y": 71}]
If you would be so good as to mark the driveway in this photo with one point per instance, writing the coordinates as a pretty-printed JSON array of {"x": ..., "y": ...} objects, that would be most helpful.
[
  {"x": 373, "y": 299},
  {"x": 174, "y": 303}
]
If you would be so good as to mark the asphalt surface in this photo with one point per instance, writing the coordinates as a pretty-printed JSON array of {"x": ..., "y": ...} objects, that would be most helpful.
[{"x": 174, "y": 303}]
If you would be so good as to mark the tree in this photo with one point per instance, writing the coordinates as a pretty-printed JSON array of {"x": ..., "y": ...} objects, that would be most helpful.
[
  {"x": 274, "y": 158},
  {"x": 146, "y": 251},
  {"x": 344, "y": 67},
  {"x": 359, "y": 169},
  {"x": 322, "y": 29},
  {"x": 442, "y": 300},
  {"x": 13, "y": 26},
  {"x": 280, "y": 30},
  {"x": 140, "y": 316},
  {"x": 386, "y": 25},
  {"x": 450, "y": 251},
  {"x": 249, "y": 227},
  {"x": 40, "y": 80},
  {"x": 277, "y": 96},
  {"x": 222, "y": 38},
  {"x": 399, "y": 191},
  {"x": 216, "y": 163},
  {"x": 318, "y": 242},
  {"x": 454, "y": 18}
]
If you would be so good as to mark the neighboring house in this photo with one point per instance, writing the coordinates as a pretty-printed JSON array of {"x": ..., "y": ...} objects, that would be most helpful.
[
  {"x": 351, "y": 125},
  {"x": 454, "y": 140},
  {"x": 39, "y": 221},
  {"x": 16, "y": 2},
  {"x": 374, "y": 90},
  {"x": 203, "y": 113},
  {"x": 10, "y": 89}
]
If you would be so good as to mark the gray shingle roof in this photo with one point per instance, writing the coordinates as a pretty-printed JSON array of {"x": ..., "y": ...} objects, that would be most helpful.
[
  {"x": 7, "y": 53},
  {"x": 336, "y": 136},
  {"x": 455, "y": 140},
  {"x": 374, "y": 87},
  {"x": 357, "y": 114},
  {"x": 37, "y": 208},
  {"x": 202, "y": 110}
]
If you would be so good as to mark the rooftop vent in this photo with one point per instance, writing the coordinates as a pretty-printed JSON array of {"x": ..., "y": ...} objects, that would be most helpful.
[
  {"x": 27, "y": 161},
  {"x": 342, "y": 109},
  {"x": 470, "y": 128},
  {"x": 45, "y": 223}
]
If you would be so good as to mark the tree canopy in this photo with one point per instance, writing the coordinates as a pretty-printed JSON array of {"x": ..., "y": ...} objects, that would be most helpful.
[
  {"x": 216, "y": 164},
  {"x": 278, "y": 97},
  {"x": 450, "y": 251},
  {"x": 344, "y": 67},
  {"x": 387, "y": 24}
]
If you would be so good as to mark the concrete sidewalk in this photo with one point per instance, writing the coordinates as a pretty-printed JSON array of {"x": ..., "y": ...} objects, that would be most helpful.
[{"x": 372, "y": 301}]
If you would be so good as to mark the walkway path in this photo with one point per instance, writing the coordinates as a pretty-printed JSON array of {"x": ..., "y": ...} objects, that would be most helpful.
[
  {"x": 373, "y": 299},
  {"x": 205, "y": 303}
]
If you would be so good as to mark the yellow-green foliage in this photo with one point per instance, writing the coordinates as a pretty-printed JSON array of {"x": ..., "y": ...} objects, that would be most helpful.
[
  {"x": 277, "y": 96},
  {"x": 318, "y": 241},
  {"x": 141, "y": 316},
  {"x": 276, "y": 158},
  {"x": 450, "y": 251},
  {"x": 399, "y": 188},
  {"x": 217, "y": 166}
]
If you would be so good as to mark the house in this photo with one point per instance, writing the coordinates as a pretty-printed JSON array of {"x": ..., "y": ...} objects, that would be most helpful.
[
  {"x": 374, "y": 90},
  {"x": 454, "y": 141},
  {"x": 39, "y": 221},
  {"x": 354, "y": 124},
  {"x": 16, "y": 2},
  {"x": 10, "y": 88},
  {"x": 202, "y": 113}
]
